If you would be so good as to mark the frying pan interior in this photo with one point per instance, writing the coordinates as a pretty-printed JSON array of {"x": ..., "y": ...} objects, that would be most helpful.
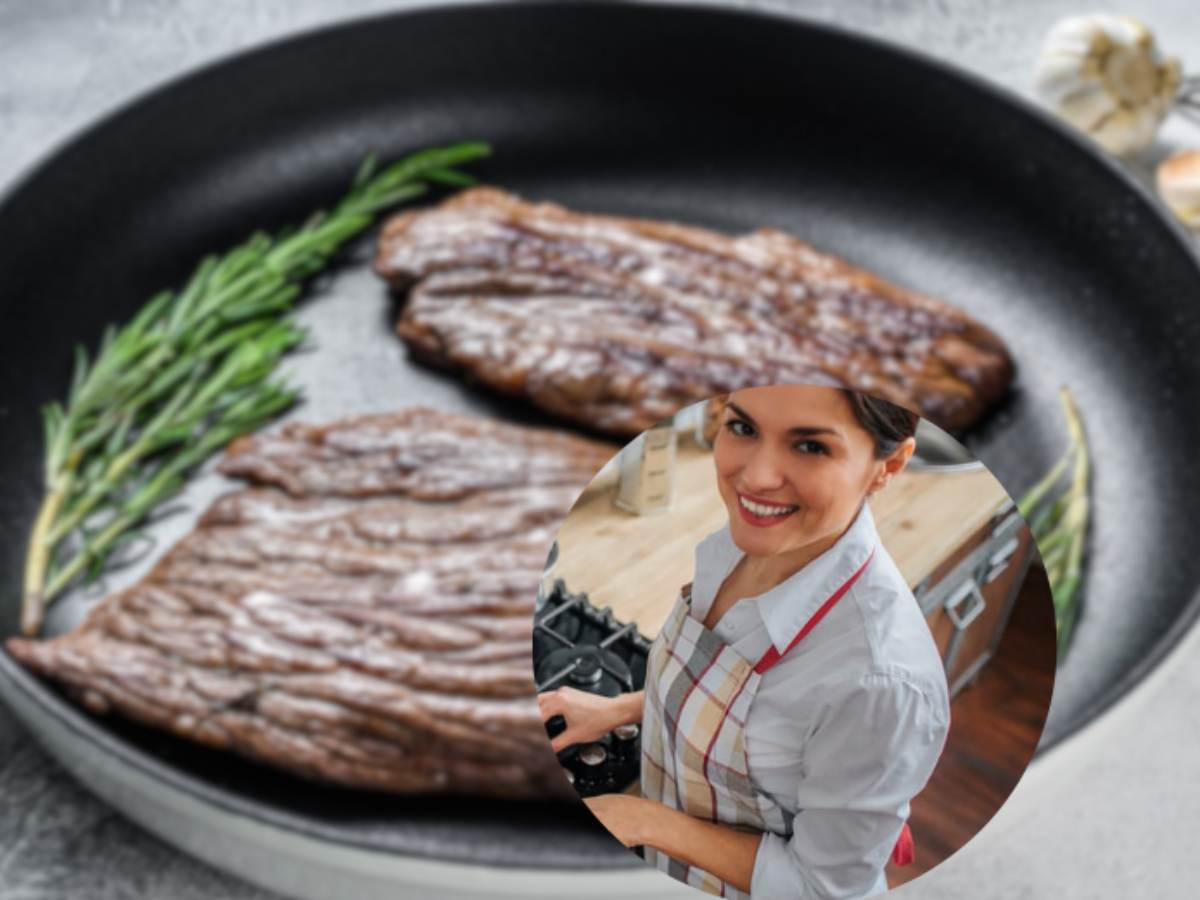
[{"x": 710, "y": 117}]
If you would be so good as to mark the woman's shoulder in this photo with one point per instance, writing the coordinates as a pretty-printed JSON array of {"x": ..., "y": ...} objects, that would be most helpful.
[
  {"x": 879, "y": 692},
  {"x": 899, "y": 646},
  {"x": 890, "y": 700}
]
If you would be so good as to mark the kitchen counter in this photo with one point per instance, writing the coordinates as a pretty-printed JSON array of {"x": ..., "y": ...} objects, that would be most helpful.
[
  {"x": 1112, "y": 812},
  {"x": 636, "y": 564}
]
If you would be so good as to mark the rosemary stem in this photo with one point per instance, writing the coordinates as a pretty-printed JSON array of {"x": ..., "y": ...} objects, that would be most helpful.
[
  {"x": 67, "y": 573},
  {"x": 38, "y": 559},
  {"x": 1058, "y": 519}
]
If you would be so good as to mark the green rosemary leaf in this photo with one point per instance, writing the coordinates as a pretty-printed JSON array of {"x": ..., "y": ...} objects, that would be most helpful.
[
  {"x": 51, "y": 420},
  {"x": 150, "y": 313},
  {"x": 400, "y": 195},
  {"x": 450, "y": 177},
  {"x": 79, "y": 376},
  {"x": 119, "y": 435},
  {"x": 106, "y": 340},
  {"x": 163, "y": 486},
  {"x": 1046, "y": 519},
  {"x": 1066, "y": 610},
  {"x": 1035, "y": 494},
  {"x": 192, "y": 293},
  {"x": 366, "y": 169},
  {"x": 98, "y": 559}
]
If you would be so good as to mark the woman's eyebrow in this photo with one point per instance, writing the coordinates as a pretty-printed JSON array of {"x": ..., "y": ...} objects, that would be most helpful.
[
  {"x": 809, "y": 430},
  {"x": 799, "y": 430},
  {"x": 740, "y": 412}
]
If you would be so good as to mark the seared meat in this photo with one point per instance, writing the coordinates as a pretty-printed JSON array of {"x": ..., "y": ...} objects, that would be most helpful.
[
  {"x": 616, "y": 323},
  {"x": 362, "y": 616}
]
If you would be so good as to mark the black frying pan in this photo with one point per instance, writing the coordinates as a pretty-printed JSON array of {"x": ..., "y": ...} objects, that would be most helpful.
[{"x": 926, "y": 176}]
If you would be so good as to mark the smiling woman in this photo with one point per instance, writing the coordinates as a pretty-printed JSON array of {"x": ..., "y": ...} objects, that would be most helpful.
[{"x": 796, "y": 697}]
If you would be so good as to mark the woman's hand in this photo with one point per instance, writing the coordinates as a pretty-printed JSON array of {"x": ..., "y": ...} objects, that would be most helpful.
[
  {"x": 629, "y": 819},
  {"x": 588, "y": 716}
]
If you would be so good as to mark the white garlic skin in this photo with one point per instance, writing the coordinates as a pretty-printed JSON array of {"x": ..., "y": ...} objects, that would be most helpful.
[
  {"x": 1178, "y": 180},
  {"x": 1105, "y": 75}
]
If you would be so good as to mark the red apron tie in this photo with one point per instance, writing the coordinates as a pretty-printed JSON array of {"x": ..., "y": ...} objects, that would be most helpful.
[{"x": 904, "y": 851}]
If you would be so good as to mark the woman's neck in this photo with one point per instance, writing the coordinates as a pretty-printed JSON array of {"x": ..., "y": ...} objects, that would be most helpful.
[
  {"x": 755, "y": 575},
  {"x": 765, "y": 572}
]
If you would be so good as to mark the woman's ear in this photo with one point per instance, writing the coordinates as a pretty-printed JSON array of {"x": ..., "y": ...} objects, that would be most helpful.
[{"x": 893, "y": 464}]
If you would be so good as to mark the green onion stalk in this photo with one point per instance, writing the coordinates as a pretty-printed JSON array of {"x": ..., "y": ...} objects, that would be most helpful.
[{"x": 190, "y": 372}]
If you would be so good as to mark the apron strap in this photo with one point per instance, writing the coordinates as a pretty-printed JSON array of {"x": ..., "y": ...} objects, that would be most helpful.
[
  {"x": 905, "y": 850},
  {"x": 773, "y": 656}
]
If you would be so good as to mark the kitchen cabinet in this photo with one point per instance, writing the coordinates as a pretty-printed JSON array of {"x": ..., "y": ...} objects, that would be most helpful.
[{"x": 968, "y": 598}]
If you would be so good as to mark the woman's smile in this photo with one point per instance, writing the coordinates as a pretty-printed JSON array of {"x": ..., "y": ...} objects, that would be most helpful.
[{"x": 763, "y": 513}]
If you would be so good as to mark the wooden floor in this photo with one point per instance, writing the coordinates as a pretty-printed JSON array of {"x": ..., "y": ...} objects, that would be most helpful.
[{"x": 995, "y": 725}]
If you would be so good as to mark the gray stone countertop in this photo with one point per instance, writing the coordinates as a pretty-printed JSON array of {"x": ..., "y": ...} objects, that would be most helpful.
[{"x": 1111, "y": 813}]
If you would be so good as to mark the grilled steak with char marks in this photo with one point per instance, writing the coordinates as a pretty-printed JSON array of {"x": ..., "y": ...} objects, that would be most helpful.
[
  {"x": 616, "y": 323},
  {"x": 361, "y": 615}
]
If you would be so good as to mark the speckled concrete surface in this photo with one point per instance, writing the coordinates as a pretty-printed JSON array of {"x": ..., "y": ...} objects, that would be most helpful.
[{"x": 1113, "y": 813}]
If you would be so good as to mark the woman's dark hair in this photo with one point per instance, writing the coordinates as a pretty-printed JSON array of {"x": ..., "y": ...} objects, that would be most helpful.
[{"x": 886, "y": 422}]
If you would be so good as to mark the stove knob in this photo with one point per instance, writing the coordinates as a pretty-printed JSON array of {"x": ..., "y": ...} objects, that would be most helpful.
[
  {"x": 593, "y": 755},
  {"x": 626, "y": 741}
]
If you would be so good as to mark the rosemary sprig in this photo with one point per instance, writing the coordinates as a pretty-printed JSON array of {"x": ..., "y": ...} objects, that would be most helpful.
[
  {"x": 190, "y": 372},
  {"x": 1059, "y": 522}
]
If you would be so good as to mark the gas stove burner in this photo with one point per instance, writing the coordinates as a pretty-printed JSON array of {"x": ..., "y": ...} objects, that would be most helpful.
[
  {"x": 579, "y": 646},
  {"x": 586, "y": 668}
]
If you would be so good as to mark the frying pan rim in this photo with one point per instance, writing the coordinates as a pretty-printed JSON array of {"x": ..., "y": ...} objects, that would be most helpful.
[{"x": 44, "y": 697}]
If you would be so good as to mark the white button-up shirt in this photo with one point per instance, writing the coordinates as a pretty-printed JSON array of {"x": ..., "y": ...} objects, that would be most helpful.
[{"x": 847, "y": 727}]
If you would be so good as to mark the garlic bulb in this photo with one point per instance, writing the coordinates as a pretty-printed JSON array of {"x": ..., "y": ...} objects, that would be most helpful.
[
  {"x": 1104, "y": 74},
  {"x": 1178, "y": 181}
]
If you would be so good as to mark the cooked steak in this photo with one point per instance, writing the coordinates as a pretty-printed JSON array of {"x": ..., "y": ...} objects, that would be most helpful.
[
  {"x": 363, "y": 615},
  {"x": 616, "y": 323}
]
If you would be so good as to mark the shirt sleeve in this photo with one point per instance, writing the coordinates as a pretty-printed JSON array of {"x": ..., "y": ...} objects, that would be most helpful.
[{"x": 873, "y": 749}]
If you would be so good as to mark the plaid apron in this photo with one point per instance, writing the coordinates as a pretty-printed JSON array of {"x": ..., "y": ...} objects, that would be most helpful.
[{"x": 698, "y": 694}]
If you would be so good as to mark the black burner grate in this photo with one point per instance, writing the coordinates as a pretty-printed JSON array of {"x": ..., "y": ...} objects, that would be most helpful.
[{"x": 577, "y": 645}]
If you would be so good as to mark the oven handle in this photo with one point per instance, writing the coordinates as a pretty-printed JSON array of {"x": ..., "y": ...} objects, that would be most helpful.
[
  {"x": 999, "y": 560},
  {"x": 966, "y": 591}
]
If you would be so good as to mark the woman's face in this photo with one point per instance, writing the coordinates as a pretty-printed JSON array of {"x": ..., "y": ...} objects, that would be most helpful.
[{"x": 793, "y": 466}]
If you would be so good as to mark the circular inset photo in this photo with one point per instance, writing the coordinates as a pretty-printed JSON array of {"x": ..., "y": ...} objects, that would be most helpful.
[{"x": 790, "y": 643}]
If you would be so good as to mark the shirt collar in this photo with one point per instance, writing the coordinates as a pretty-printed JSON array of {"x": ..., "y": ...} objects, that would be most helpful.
[{"x": 788, "y": 606}]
